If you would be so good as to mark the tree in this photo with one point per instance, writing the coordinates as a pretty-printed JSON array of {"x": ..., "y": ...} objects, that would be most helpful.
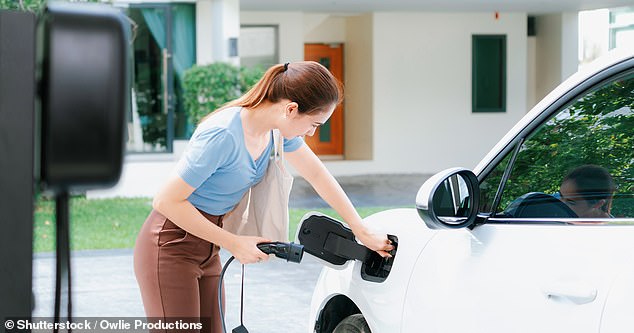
[{"x": 596, "y": 129}]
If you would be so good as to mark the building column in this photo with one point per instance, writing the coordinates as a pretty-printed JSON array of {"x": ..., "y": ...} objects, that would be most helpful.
[
  {"x": 217, "y": 31},
  {"x": 570, "y": 44},
  {"x": 557, "y": 48}
]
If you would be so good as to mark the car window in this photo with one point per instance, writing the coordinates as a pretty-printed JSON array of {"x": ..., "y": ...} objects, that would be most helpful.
[
  {"x": 489, "y": 186},
  {"x": 579, "y": 163}
]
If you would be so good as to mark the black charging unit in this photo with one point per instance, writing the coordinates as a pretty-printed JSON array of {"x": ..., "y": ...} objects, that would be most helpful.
[
  {"x": 333, "y": 242},
  {"x": 83, "y": 69},
  {"x": 65, "y": 91}
]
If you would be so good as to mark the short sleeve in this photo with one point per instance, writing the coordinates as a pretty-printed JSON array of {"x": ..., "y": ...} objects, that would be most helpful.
[
  {"x": 206, "y": 152},
  {"x": 293, "y": 144}
]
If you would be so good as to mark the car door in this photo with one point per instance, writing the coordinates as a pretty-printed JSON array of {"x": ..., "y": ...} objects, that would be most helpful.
[{"x": 538, "y": 263}]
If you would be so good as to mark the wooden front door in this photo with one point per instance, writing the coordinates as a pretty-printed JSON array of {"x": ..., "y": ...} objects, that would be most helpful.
[{"x": 328, "y": 139}]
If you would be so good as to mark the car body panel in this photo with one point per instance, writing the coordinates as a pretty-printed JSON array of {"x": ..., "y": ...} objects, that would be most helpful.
[
  {"x": 501, "y": 277},
  {"x": 383, "y": 302},
  {"x": 617, "y": 315}
]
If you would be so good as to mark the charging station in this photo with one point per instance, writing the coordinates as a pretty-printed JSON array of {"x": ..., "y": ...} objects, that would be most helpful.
[{"x": 64, "y": 94}]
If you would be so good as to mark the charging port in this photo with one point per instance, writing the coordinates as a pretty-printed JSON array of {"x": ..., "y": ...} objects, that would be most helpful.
[{"x": 376, "y": 268}]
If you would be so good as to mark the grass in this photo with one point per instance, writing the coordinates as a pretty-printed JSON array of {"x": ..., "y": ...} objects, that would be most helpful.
[{"x": 114, "y": 223}]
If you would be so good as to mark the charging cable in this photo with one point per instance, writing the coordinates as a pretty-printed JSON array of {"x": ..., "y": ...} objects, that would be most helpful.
[
  {"x": 62, "y": 260},
  {"x": 290, "y": 251}
]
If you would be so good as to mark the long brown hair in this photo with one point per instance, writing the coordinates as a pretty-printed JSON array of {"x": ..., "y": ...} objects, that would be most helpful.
[{"x": 307, "y": 83}]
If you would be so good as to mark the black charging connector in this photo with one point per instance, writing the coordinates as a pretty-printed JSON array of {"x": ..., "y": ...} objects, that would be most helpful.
[
  {"x": 333, "y": 242},
  {"x": 290, "y": 251},
  {"x": 240, "y": 329}
]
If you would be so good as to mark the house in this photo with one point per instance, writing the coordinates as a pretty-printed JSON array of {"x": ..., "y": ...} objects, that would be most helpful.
[{"x": 429, "y": 84}]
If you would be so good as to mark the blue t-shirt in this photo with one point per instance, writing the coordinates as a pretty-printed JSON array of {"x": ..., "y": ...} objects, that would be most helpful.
[{"x": 218, "y": 165}]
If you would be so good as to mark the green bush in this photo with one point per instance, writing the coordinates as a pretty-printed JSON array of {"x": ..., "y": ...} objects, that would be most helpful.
[
  {"x": 249, "y": 77},
  {"x": 34, "y": 6},
  {"x": 209, "y": 87}
]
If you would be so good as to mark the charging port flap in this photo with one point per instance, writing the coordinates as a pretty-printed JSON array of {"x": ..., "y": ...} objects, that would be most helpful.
[
  {"x": 328, "y": 239},
  {"x": 333, "y": 242}
]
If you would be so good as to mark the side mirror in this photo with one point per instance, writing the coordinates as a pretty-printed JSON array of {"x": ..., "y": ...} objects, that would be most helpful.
[{"x": 449, "y": 199}]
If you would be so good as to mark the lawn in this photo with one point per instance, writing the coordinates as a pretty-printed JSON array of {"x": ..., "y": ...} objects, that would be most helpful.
[{"x": 114, "y": 223}]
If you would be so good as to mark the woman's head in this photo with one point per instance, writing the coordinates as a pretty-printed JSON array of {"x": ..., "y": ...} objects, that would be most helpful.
[
  {"x": 588, "y": 190},
  {"x": 306, "y": 83}
]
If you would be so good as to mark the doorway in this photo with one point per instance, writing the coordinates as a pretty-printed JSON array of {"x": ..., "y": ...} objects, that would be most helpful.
[
  {"x": 328, "y": 139},
  {"x": 164, "y": 47}
]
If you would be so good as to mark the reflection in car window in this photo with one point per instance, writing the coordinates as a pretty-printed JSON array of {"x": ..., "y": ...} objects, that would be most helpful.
[
  {"x": 597, "y": 129},
  {"x": 489, "y": 186}
]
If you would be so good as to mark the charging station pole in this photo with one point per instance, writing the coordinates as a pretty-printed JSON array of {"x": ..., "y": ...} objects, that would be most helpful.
[{"x": 17, "y": 110}]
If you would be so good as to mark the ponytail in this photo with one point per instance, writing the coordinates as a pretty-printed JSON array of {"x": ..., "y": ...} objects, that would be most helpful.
[{"x": 307, "y": 83}]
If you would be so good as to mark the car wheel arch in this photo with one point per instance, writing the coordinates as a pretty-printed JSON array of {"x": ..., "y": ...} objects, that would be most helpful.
[{"x": 334, "y": 311}]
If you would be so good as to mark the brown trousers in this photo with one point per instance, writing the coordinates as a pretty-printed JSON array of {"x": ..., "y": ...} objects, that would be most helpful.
[{"x": 178, "y": 273}]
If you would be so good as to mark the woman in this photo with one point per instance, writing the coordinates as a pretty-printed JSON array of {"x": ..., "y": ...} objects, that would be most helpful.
[
  {"x": 588, "y": 190},
  {"x": 176, "y": 258}
]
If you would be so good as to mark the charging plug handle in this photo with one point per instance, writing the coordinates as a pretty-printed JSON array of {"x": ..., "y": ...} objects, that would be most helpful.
[
  {"x": 290, "y": 251},
  {"x": 346, "y": 248}
]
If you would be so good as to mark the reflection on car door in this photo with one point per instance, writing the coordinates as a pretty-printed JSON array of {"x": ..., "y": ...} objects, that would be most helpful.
[{"x": 518, "y": 278}]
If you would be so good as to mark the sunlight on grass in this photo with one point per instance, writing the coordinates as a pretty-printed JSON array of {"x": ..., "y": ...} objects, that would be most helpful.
[
  {"x": 115, "y": 223},
  {"x": 95, "y": 224}
]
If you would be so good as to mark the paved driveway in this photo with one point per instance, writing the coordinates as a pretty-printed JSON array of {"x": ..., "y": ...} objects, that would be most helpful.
[{"x": 277, "y": 293}]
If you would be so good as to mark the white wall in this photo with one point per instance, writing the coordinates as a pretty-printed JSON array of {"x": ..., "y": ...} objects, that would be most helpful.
[
  {"x": 570, "y": 44},
  {"x": 359, "y": 82},
  {"x": 216, "y": 22},
  {"x": 324, "y": 28},
  {"x": 531, "y": 72},
  {"x": 422, "y": 91},
  {"x": 290, "y": 28},
  {"x": 142, "y": 174},
  {"x": 557, "y": 50}
]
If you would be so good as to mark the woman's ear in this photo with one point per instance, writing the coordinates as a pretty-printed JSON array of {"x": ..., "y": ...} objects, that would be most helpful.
[{"x": 292, "y": 108}]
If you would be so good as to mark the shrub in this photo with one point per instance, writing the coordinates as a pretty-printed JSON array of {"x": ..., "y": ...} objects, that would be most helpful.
[{"x": 209, "y": 87}]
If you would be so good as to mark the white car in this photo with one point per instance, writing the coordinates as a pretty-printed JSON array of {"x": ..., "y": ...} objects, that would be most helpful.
[{"x": 507, "y": 247}]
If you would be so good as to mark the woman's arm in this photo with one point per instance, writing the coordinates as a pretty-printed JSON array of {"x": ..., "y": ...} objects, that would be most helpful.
[
  {"x": 171, "y": 201},
  {"x": 313, "y": 170}
]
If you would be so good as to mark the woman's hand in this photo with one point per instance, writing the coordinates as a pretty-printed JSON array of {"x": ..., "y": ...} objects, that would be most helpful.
[
  {"x": 245, "y": 250},
  {"x": 376, "y": 242}
]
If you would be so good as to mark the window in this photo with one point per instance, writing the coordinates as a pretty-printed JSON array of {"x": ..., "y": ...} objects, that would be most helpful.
[
  {"x": 488, "y": 73},
  {"x": 164, "y": 47},
  {"x": 622, "y": 27},
  {"x": 258, "y": 46},
  {"x": 593, "y": 134}
]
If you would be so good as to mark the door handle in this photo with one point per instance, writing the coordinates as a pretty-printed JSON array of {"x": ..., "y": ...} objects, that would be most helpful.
[{"x": 578, "y": 293}]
